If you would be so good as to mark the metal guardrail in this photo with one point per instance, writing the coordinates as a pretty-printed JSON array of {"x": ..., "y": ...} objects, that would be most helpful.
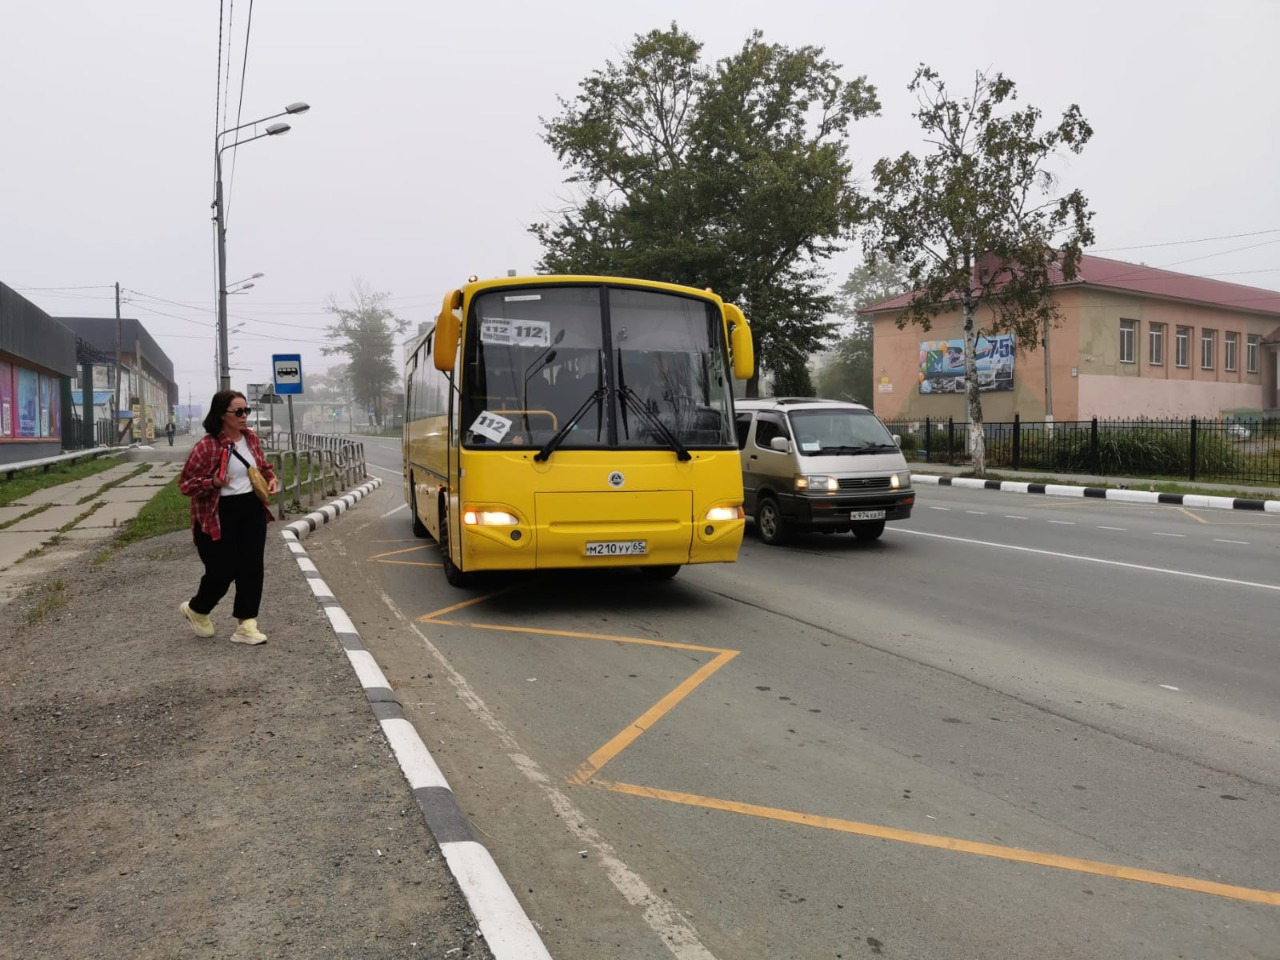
[
  {"x": 314, "y": 468},
  {"x": 1240, "y": 451},
  {"x": 44, "y": 463}
]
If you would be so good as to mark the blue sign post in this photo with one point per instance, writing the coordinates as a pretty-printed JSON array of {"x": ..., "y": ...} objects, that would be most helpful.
[{"x": 287, "y": 371}]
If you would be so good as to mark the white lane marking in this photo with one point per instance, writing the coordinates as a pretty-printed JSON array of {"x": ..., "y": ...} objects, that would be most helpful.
[
  {"x": 1121, "y": 529},
  {"x": 1157, "y": 533},
  {"x": 394, "y": 473},
  {"x": 403, "y": 506},
  {"x": 1076, "y": 556},
  {"x": 658, "y": 912},
  {"x": 1009, "y": 516},
  {"x": 944, "y": 509},
  {"x": 977, "y": 513},
  {"x": 1065, "y": 523},
  {"x": 1167, "y": 687},
  {"x": 1243, "y": 543}
]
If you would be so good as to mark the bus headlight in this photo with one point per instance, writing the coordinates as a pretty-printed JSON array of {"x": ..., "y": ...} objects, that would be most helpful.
[
  {"x": 817, "y": 484},
  {"x": 489, "y": 518},
  {"x": 716, "y": 514}
]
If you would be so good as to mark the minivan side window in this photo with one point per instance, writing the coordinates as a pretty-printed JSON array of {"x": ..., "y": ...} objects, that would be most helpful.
[
  {"x": 742, "y": 421},
  {"x": 768, "y": 426}
]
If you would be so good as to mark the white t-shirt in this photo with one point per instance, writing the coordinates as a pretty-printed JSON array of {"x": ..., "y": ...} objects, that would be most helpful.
[{"x": 237, "y": 472}]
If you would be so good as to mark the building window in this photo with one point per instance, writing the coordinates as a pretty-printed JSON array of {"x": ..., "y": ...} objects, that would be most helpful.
[
  {"x": 1182, "y": 347},
  {"x": 1230, "y": 341},
  {"x": 1251, "y": 353},
  {"x": 1155, "y": 345},
  {"x": 1128, "y": 340},
  {"x": 1206, "y": 348}
]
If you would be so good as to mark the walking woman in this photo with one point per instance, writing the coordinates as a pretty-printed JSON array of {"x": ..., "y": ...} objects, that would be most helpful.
[{"x": 228, "y": 521}]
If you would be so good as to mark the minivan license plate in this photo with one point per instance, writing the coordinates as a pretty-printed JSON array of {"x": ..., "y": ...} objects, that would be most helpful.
[
  {"x": 619, "y": 548},
  {"x": 867, "y": 515}
]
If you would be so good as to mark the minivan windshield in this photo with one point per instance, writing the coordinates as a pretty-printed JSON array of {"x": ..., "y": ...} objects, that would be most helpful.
[{"x": 839, "y": 432}]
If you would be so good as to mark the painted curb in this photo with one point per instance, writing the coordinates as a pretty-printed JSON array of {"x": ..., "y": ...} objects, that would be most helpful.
[
  {"x": 1196, "y": 500},
  {"x": 506, "y": 928}
]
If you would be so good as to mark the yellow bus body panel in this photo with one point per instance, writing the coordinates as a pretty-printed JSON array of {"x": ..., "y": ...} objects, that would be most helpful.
[{"x": 578, "y": 496}]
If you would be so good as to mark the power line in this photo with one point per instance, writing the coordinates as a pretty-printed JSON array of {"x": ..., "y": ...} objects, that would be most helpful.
[{"x": 1179, "y": 243}]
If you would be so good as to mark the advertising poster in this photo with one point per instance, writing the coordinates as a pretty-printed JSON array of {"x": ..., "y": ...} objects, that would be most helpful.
[
  {"x": 48, "y": 407},
  {"x": 28, "y": 402},
  {"x": 6, "y": 399},
  {"x": 942, "y": 364}
]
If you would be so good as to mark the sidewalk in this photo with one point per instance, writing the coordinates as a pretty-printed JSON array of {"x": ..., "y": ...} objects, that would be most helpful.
[{"x": 166, "y": 796}]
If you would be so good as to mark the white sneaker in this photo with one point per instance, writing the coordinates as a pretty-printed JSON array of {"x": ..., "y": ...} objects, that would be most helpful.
[
  {"x": 249, "y": 633},
  {"x": 200, "y": 622}
]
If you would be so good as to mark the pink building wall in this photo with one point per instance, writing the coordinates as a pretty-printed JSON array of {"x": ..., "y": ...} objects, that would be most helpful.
[{"x": 1088, "y": 377}]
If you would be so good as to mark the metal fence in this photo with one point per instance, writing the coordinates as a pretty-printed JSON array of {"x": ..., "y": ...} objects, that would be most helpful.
[
  {"x": 315, "y": 467},
  {"x": 1233, "y": 451}
]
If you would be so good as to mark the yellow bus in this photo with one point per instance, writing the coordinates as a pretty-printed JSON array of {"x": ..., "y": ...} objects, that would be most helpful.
[{"x": 576, "y": 421}]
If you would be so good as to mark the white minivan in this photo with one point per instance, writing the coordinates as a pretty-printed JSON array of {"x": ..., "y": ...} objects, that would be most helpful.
[{"x": 823, "y": 465}]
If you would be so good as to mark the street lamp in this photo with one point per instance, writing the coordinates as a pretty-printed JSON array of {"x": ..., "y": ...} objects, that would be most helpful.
[{"x": 275, "y": 129}]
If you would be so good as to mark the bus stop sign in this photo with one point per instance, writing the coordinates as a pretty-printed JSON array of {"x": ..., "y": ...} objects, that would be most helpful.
[{"x": 288, "y": 373}]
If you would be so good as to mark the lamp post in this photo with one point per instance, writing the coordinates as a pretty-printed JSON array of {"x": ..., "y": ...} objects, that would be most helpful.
[{"x": 275, "y": 129}]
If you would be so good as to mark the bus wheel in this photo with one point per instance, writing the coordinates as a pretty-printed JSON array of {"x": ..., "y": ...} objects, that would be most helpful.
[
  {"x": 419, "y": 528},
  {"x": 868, "y": 530},
  {"x": 455, "y": 576},
  {"x": 664, "y": 572},
  {"x": 769, "y": 521}
]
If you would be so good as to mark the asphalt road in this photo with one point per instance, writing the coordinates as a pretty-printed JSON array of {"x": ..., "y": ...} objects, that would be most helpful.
[{"x": 1013, "y": 727}]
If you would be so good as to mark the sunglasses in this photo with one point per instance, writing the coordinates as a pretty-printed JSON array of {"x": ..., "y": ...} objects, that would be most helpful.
[{"x": 240, "y": 411}]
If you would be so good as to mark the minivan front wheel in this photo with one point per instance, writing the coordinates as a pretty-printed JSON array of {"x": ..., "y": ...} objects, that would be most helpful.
[
  {"x": 868, "y": 529},
  {"x": 769, "y": 522}
]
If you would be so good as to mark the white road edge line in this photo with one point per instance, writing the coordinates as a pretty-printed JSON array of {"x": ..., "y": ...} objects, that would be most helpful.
[
  {"x": 671, "y": 928},
  {"x": 1100, "y": 560}
]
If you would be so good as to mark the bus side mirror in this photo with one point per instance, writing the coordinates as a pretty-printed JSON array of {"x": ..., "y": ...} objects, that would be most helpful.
[
  {"x": 444, "y": 352},
  {"x": 744, "y": 357}
]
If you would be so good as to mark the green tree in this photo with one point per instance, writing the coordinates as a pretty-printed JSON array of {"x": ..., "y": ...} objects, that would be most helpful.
[
  {"x": 850, "y": 374},
  {"x": 978, "y": 223},
  {"x": 365, "y": 333},
  {"x": 733, "y": 176}
]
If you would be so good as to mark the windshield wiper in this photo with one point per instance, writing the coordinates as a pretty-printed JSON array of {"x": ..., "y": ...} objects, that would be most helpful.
[
  {"x": 630, "y": 396},
  {"x": 597, "y": 395},
  {"x": 854, "y": 451}
]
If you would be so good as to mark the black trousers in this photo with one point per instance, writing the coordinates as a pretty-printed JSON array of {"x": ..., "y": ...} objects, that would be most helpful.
[{"x": 236, "y": 558}]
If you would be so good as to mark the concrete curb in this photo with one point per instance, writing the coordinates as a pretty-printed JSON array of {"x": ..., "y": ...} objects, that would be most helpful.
[
  {"x": 1196, "y": 500},
  {"x": 505, "y": 926}
]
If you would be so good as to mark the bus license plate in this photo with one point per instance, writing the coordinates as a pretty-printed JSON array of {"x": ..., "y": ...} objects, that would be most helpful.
[
  {"x": 617, "y": 548},
  {"x": 867, "y": 515}
]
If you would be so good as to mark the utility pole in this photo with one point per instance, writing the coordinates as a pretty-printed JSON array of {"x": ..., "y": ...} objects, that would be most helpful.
[{"x": 115, "y": 425}]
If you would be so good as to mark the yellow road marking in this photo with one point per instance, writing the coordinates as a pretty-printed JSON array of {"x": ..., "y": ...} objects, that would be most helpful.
[
  {"x": 396, "y": 553},
  {"x": 1269, "y": 897},
  {"x": 411, "y": 563},
  {"x": 1185, "y": 512},
  {"x": 585, "y": 776},
  {"x": 647, "y": 719}
]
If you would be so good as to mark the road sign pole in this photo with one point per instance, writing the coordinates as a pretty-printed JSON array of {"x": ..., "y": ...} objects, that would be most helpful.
[{"x": 292, "y": 444}]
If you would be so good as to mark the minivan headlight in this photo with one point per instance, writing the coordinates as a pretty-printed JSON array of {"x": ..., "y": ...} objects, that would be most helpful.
[
  {"x": 898, "y": 481},
  {"x": 817, "y": 484}
]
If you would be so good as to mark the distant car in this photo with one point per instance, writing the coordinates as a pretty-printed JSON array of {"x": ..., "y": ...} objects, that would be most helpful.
[{"x": 1237, "y": 431}]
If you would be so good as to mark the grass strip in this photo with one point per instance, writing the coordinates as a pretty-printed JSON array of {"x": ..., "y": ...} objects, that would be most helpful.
[
  {"x": 138, "y": 471},
  {"x": 28, "y": 482}
]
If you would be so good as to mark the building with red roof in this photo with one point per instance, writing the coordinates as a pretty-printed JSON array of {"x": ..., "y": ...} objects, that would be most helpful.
[{"x": 1134, "y": 341}]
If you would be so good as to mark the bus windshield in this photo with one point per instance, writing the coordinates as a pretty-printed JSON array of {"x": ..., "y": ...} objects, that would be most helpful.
[{"x": 591, "y": 365}]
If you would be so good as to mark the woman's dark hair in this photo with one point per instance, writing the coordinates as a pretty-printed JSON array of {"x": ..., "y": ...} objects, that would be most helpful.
[{"x": 218, "y": 409}]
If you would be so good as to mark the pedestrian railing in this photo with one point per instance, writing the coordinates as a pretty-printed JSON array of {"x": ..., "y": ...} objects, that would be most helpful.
[{"x": 315, "y": 468}]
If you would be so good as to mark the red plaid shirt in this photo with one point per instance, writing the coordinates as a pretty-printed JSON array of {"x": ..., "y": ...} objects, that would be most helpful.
[{"x": 208, "y": 459}]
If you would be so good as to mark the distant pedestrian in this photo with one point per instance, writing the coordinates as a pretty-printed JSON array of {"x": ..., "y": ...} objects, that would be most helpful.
[
  {"x": 228, "y": 521},
  {"x": 169, "y": 431}
]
